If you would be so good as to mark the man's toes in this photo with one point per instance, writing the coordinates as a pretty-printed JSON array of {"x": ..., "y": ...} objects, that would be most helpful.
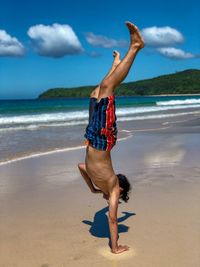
[{"x": 115, "y": 52}]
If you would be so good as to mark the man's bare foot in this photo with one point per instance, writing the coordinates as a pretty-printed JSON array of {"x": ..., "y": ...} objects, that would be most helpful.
[
  {"x": 116, "y": 56},
  {"x": 135, "y": 36}
]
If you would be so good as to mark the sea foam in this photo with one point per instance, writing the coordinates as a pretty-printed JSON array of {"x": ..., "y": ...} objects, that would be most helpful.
[
  {"x": 69, "y": 118},
  {"x": 178, "y": 102}
]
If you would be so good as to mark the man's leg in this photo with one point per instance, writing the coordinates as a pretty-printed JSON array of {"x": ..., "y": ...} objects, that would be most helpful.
[
  {"x": 116, "y": 62},
  {"x": 119, "y": 74}
]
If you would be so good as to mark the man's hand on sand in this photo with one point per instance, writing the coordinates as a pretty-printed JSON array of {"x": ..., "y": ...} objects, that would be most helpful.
[{"x": 120, "y": 249}]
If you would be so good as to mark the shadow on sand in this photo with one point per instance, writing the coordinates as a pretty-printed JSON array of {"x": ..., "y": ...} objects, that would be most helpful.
[{"x": 99, "y": 226}]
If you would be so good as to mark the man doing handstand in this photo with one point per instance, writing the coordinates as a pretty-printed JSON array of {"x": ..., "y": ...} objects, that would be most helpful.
[{"x": 101, "y": 135}]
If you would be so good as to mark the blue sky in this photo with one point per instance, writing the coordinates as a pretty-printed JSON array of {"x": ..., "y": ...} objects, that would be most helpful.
[{"x": 48, "y": 44}]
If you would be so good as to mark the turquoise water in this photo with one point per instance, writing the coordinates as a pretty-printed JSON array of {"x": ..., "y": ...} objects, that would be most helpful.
[
  {"x": 32, "y": 126},
  {"x": 18, "y": 107}
]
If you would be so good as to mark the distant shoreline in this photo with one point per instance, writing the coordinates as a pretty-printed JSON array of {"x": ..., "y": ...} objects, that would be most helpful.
[
  {"x": 70, "y": 97},
  {"x": 73, "y": 97},
  {"x": 179, "y": 83},
  {"x": 175, "y": 95},
  {"x": 160, "y": 95}
]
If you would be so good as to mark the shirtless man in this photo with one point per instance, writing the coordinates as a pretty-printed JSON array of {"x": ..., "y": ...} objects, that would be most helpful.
[{"x": 101, "y": 135}]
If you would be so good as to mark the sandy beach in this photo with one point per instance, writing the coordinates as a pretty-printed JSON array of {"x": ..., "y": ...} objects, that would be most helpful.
[{"x": 50, "y": 219}]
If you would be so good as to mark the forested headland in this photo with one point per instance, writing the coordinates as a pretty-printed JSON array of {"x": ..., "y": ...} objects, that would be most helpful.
[{"x": 183, "y": 82}]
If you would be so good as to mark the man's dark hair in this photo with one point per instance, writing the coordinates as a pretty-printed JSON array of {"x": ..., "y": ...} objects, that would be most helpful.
[{"x": 124, "y": 183}]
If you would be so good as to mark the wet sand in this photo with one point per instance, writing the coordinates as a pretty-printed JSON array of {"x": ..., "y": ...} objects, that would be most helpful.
[{"x": 50, "y": 219}]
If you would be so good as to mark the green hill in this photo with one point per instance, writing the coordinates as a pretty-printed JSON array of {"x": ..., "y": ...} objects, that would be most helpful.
[{"x": 183, "y": 82}]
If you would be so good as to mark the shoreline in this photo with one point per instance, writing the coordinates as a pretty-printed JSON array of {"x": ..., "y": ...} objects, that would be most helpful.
[
  {"x": 50, "y": 98},
  {"x": 116, "y": 96},
  {"x": 150, "y": 124},
  {"x": 54, "y": 98},
  {"x": 50, "y": 152}
]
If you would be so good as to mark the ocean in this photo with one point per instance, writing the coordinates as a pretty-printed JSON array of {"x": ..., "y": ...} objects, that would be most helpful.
[{"x": 32, "y": 127}]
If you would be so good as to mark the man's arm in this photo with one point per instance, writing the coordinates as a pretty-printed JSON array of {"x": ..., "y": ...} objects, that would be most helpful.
[
  {"x": 113, "y": 224},
  {"x": 115, "y": 63},
  {"x": 87, "y": 179}
]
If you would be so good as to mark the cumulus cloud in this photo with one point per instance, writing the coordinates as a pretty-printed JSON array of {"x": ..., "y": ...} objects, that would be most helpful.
[
  {"x": 175, "y": 53},
  {"x": 103, "y": 41},
  {"x": 161, "y": 40},
  {"x": 55, "y": 40},
  {"x": 10, "y": 46},
  {"x": 161, "y": 36}
]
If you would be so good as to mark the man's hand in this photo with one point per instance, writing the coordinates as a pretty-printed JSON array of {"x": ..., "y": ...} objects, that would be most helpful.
[{"x": 119, "y": 249}]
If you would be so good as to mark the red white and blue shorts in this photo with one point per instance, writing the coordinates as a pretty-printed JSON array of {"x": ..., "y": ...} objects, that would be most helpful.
[{"x": 101, "y": 132}]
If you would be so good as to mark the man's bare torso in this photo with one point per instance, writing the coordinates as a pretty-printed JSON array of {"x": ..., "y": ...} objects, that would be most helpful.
[{"x": 99, "y": 168}]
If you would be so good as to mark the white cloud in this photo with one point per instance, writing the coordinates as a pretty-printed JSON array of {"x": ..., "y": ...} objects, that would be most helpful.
[
  {"x": 55, "y": 40},
  {"x": 161, "y": 36},
  {"x": 10, "y": 46},
  {"x": 103, "y": 41},
  {"x": 175, "y": 53}
]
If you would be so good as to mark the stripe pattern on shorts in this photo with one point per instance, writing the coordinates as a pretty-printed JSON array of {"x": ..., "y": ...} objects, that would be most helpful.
[{"x": 102, "y": 129}]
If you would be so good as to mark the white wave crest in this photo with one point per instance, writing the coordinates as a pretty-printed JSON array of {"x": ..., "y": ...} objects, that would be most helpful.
[
  {"x": 178, "y": 102},
  {"x": 40, "y": 126},
  {"x": 42, "y": 118},
  {"x": 32, "y": 122},
  {"x": 158, "y": 116}
]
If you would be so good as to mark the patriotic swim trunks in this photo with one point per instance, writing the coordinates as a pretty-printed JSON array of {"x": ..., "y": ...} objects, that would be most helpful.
[{"x": 101, "y": 131}]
